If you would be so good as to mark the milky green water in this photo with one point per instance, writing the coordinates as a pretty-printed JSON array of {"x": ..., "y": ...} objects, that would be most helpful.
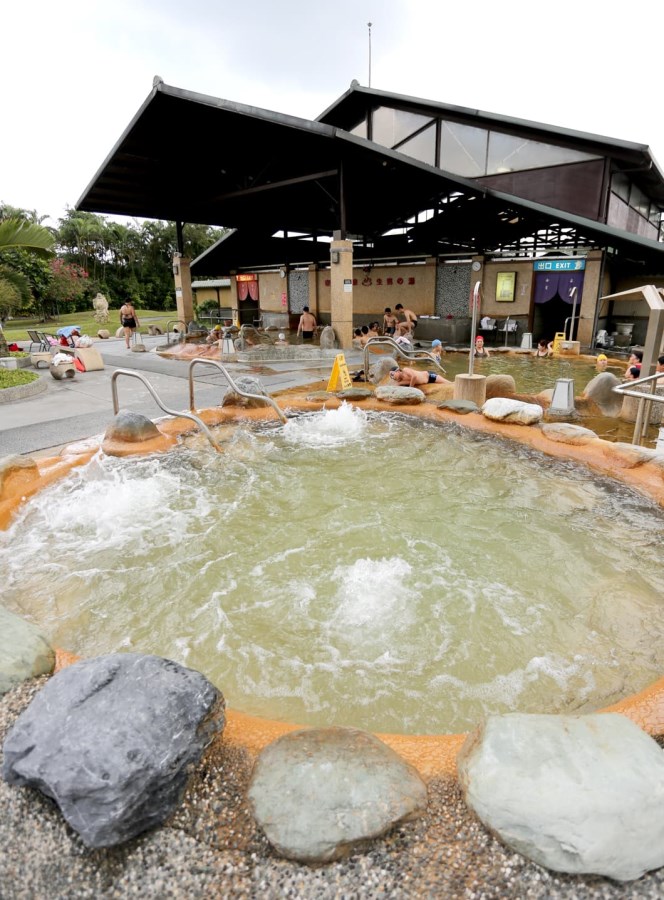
[{"x": 355, "y": 570}]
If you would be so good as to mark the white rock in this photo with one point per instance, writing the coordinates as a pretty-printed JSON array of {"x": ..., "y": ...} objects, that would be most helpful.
[
  {"x": 505, "y": 409},
  {"x": 578, "y": 794}
]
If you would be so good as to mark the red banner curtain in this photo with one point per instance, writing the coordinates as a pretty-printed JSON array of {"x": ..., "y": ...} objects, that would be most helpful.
[
  {"x": 253, "y": 290},
  {"x": 242, "y": 290}
]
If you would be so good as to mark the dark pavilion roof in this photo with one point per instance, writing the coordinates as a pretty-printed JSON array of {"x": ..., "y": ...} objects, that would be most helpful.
[
  {"x": 352, "y": 106},
  {"x": 189, "y": 157}
]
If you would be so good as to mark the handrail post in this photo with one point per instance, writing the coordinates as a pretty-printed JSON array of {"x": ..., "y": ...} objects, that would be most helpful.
[
  {"x": 171, "y": 412},
  {"x": 388, "y": 341},
  {"x": 213, "y": 362}
]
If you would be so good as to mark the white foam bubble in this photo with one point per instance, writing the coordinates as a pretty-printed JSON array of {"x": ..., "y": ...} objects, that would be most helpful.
[{"x": 331, "y": 428}]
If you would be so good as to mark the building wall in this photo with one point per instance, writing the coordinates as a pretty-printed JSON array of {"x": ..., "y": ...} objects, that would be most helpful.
[
  {"x": 221, "y": 298},
  {"x": 271, "y": 287},
  {"x": 414, "y": 286}
]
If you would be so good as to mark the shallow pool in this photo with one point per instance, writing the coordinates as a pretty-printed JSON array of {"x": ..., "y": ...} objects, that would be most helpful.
[{"x": 356, "y": 569}]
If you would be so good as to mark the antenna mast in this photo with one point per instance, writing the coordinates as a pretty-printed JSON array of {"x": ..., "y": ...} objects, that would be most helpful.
[{"x": 369, "y": 27}]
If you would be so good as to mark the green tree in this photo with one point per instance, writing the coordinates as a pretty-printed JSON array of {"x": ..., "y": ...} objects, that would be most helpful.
[{"x": 18, "y": 234}]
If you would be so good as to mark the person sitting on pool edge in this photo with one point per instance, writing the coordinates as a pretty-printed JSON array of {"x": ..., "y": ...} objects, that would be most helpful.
[
  {"x": 635, "y": 359},
  {"x": 407, "y": 377},
  {"x": 214, "y": 335},
  {"x": 480, "y": 349}
]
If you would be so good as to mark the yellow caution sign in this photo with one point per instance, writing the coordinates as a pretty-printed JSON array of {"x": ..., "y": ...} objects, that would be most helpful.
[
  {"x": 340, "y": 377},
  {"x": 557, "y": 341}
]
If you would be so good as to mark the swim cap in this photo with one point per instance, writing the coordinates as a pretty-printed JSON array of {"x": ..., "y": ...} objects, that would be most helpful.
[
  {"x": 602, "y": 356},
  {"x": 435, "y": 343},
  {"x": 282, "y": 336}
]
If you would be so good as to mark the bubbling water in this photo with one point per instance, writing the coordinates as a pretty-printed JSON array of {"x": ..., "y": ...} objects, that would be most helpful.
[{"x": 354, "y": 569}]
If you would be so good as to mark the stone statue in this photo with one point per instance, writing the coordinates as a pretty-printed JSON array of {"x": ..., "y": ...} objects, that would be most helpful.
[{"x": 100, "y": 304}]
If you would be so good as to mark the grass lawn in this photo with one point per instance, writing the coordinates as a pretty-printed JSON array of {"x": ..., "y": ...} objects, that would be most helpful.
[
  {"x": 17, "y": 329},
  {"x": 14, "y": 377}
]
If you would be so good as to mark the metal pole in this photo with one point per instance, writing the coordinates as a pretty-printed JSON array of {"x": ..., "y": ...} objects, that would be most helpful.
[
  {"x": 573, "y": 293},
  {"x": 369, "y": 27},
  {"x": 477, "y": 299}
]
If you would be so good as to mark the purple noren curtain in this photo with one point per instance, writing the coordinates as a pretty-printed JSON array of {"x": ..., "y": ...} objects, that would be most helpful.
[
  {"x": 550, "y": 284},
  {"x": 546, "y": 286},
  {"x": 569, "y": 280}
]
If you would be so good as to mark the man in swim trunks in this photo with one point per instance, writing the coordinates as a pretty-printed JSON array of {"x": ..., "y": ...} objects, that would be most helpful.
[
  {"x": 406, "y": 320},
  {"x": 307, "y": 325},
  {"x": 407, "y": 377}
]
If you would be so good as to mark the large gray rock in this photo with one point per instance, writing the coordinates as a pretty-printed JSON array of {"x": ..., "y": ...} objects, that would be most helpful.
[
  {"x": 380, "y": 368},
  {"x": 131, "y": 427},
  {"x": 399, "y": 395},
  {"x": 566, "y": 433},
  {"x": 578, "y": 794},
  {"x": 251, "y": 386},
  {"x": 463, "y": 407},
  {"x": 111, "y": 740},
  {"x": 328, "y": 339},
  {"x": 500, "y": 386},
  {"x": 317, "y": 793},
  {"x": 504, "y": 409},
  {"x": 600, "y": 390},
  {"x": 24, "y": 651}
]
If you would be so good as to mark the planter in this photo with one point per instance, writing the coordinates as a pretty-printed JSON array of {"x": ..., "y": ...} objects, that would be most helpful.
[
  {"x": 15, "y": 362},
  {"x": 62, "y": 371},
  {"x": 40, "y": 360}
]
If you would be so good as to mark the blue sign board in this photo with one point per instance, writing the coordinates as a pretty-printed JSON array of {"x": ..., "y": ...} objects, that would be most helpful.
[{"x": 559, "y": 265}]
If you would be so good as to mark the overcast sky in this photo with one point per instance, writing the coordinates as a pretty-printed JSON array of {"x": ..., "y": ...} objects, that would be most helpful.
[{"x": 76, "y": 71}]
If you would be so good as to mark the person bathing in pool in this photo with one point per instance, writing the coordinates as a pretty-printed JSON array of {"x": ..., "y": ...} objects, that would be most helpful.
[{"x": 413, "y": 377}]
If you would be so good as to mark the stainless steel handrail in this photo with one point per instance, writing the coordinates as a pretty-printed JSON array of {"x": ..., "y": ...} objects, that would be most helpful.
[
  {"x": 643, "y": 413},
  {"x": 387, "y": 341},
  {"x": 213, "y": 362},
  {"x": 171, "y": 412},
  {"x": 168, "y": 328}
]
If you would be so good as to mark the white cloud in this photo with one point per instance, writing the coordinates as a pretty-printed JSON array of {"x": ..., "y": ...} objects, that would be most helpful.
[{"x": 76, "y": 72}]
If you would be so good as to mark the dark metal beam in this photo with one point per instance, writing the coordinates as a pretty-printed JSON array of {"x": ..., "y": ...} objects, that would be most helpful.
[{"x": 276, "y": 184}]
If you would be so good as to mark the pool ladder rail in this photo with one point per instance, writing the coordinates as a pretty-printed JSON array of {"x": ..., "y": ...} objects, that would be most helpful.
[
  {"x": 387, "y": 341},
  {"x": 191, "y": 414},
  {"x": 643, "y": 414}
]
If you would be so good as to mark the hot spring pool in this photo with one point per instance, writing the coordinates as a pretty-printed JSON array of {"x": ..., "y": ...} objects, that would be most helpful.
[{"x": 354, "y": 569}]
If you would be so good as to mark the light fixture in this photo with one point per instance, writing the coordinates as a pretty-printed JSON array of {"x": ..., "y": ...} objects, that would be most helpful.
[
  {"x": 176, "y": 269},
  {"x": 562, "y": 402},
  {"x": 334, "y": 256}
]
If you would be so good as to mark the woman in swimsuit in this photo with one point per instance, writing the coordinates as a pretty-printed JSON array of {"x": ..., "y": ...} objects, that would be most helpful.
[
  {"x": 480, "y": 349},
  {"x": 129, "y": 321},
  {"x": 543, "y": 349}
]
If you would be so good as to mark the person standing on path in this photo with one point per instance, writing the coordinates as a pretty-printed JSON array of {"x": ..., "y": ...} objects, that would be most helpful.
[{"x": 129, "y": 321}]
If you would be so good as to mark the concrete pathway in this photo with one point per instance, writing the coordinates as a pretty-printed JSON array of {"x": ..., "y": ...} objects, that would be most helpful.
[{"x": 81, "y": 407}]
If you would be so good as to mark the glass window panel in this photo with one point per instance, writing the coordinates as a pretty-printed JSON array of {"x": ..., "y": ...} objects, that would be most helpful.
[
  {"x": 618, "y": 212},
  {"x": 463, "y": 149},
  {"x": 508, "y": 153},
  {"x": 360, "y": 129},
  {"x": 422, "y": 146},
  {"x": 639, "y": 201},
  {"x": 655, "y": 214},
  {"x": 390, "y": 126},
  {"x": 620, "y": 185}
]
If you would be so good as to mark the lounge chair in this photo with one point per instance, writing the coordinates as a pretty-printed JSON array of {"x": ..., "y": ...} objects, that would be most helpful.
[{"x": 37, "y": 342}]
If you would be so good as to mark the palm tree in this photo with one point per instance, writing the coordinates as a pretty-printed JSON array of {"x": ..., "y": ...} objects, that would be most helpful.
[{"x": 18, "y": 233}]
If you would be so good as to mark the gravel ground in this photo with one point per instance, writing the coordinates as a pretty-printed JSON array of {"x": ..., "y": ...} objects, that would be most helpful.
[{"x": 211, "y": 847}]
